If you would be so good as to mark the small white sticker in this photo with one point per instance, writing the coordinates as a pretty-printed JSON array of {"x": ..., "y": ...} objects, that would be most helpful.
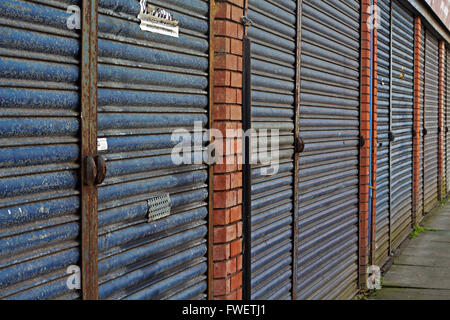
[
  {"x": 158, "y": 20},
  {"x": 102, "y": 144}
]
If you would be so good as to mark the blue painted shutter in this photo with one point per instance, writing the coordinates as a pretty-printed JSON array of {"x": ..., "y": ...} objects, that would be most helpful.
[
  {"x": 402, "y": 122},
  {"x": 39, "y": 149},
  {"x": 431, "y": 112},
  {"x": 150, "y": 85},
  {"x": 395, "y": 114},
  {"x": 273, "y": 36},
  {"x": 328, "y": 169},
  {"x": 383, "y": 127}
]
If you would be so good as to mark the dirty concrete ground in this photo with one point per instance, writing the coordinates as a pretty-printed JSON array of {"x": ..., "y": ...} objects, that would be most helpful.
[{"x": 422, "y": 270}]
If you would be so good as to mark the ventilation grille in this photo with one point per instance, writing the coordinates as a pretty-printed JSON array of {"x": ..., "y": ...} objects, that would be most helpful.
[{"x": 158, "y": 207}]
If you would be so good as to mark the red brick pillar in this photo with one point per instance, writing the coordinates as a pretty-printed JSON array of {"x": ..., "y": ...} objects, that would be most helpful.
[
  {"x": 416, "y": 139},
  {"x": 374, "y": 133},
  {"x": 227, "y": 114},
  {"x": 441, "y": 118},
  {"x": 364, "y": 149}
]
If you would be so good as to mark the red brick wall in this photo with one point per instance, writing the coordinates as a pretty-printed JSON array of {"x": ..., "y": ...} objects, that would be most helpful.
[
  {"x": 227, "y": 114},
  {"x": 441, "y": 118},
  {"x": 364, "y": 150},
  {"x": 416, "y": 139}
]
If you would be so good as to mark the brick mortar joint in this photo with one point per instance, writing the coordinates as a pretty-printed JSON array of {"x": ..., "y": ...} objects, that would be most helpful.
[{"x": 231, "y": 275}]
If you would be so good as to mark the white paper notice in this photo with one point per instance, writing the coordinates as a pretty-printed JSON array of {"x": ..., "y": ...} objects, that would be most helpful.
[{"x": 102, "y": 144}]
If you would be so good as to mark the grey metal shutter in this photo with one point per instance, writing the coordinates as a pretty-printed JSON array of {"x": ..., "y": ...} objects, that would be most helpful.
[
  {"x": 420, "y": 198},
  {"x": 148, "y": 86},
  {"x": 447, "y": 117},
  {"x": 40, "y": 150},
  {"x": 402, "y": 79},
  {"x": 273, "y": 55},
  {"x": 383, "y": 127},
  {"x": 328, "y": 168},
  {"x": 444, "y": 143},
  {"x": 446, "y": 122},
  {"x": 431, "y": 110}
]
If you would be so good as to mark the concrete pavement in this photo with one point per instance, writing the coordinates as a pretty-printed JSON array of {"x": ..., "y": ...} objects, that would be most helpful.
[{"x": 422, "y": 270}]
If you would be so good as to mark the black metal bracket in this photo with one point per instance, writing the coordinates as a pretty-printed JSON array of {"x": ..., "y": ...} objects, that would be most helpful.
[
  {"x": 101, "y": 169},
  {"x": 94, "y": 170},
  {"x": 414, "y": 133},
  {"x": 299, "y": 145},
  {"x": 391, "y": 136},
  {"x": 362, "y": 141},
  {"x": 246, "y": 21},
  {"x": 90, "y": 171},
  {"x": 425, "y": 131}
]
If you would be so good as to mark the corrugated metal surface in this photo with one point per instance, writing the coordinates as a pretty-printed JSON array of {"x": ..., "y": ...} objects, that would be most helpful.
[
  {"x": 383, "y": 128},
  {"x": 447, "y": 118},
  {"x": 445, "y": 134},
  {"x": 150, "y": 85},
  {"x": 40, "y": 148},
  {"x": 402, "y": 122},
  {"x": 273, "y": 36},
  {"x": 329, "y": 125},
  {"x": 431, "y": 111},
  {"x": 420, "y": 205}
]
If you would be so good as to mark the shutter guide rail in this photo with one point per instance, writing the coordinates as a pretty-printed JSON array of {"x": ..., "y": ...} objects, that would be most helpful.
[
  {"x": 89, "y": 218},
  {"x": 390, "y": 129},
  {"x": 246, "y": 168},
  {"x": 212, "y": 12},
  {"x": 296, "y": 154}
]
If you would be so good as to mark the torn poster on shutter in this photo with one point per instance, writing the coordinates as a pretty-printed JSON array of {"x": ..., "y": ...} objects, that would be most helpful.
[{"x": 157, "y": 20}]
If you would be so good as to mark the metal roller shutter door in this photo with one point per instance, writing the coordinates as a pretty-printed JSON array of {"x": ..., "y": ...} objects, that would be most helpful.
[
  {"x": 328, "y": 169},
  {"x": 431, "y": 111},
  {"x": 444, "y": 122},
  {"x": 402, "y": 122},
  {"x": 447, "y": 117},
  {"x": 420, "y": 205},
  {"x": 383, "y": 128},
  {"x": 148, "y": 86},
  {"x": 273, "y": 54},
  {"x": 40, "y": 150}
]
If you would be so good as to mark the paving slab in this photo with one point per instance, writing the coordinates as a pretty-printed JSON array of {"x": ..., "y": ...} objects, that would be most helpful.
[
  {"x": 428, "y": 248},
  {"x": 421, "y": 260},
  {"x": 422, "y": 269},
  {"x": 441, "y": 213},
  {"x": 410, "y": 294},
  {"x": 417, "y": 277},
  {"x": 438, "y": 222},
  {"x": 437, "y": 236}
]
